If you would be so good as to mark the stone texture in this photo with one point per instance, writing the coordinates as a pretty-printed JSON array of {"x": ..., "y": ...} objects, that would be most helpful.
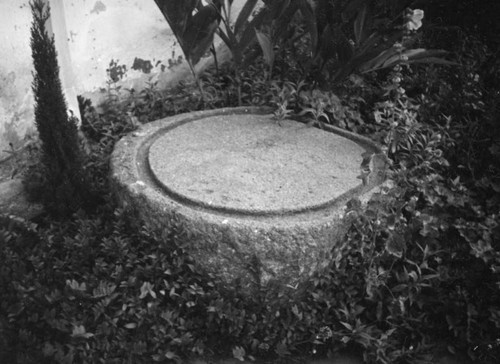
[
  {"x": 252, "y": 165},
  {"x": 263, "y": 203}
]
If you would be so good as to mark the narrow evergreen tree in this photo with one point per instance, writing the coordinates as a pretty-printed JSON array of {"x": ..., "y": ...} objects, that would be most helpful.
[{"x": 63, "y": 189}]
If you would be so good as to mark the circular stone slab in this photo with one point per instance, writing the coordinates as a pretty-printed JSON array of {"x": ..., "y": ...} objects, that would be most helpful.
[
  {"x": 262, "y": 202},
  {"x": 252, "y": 165}
]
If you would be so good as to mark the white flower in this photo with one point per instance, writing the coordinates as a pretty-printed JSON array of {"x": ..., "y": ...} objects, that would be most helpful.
[{"x": 414, "y": 19}]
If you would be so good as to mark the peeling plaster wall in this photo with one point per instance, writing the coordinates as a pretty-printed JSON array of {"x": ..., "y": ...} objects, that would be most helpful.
[
  {"x": 128, "y": 36},
  {"x": 122, "y": 35},
  {"x": 16, "y": 99},
  {"x": 101, "y": 31}
]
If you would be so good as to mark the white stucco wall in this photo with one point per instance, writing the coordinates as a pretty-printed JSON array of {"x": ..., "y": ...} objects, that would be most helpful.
[
  {"x": 89, "y": 34},
  {"x": 122, "y": 30},
  {"x": 16, "y": 100}
]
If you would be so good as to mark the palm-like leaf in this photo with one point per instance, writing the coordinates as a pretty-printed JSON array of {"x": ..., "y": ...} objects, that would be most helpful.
[
  {"x": 194, "y": 32},
  {"x": 177, "y": 13}
]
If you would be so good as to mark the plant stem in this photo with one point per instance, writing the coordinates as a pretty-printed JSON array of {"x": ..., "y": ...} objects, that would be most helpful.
[{"x": 197, "y": 79}]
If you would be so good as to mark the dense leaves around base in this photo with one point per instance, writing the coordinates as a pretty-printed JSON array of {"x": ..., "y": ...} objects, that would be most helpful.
[{"x": 409, "y": 274}]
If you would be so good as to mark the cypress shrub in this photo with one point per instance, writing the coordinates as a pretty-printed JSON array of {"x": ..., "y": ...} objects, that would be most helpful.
[{"x": 60, "y": 183}]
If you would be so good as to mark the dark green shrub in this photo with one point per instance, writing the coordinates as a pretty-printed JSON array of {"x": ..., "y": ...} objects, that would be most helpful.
[
  {"x": 61, "y": 185},
  {"x": 16, "y": 236},
  {"x": 465, "y": 100},
  {"x": 438, "y": 224},
  {"x": 98, "y": 289}
]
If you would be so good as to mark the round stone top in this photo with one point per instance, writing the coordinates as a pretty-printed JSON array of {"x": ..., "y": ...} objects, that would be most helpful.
[{"x": 250, "y": 164}]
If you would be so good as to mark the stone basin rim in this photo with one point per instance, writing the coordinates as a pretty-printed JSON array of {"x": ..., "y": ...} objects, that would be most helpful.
[{"x": 146, "y": 174}]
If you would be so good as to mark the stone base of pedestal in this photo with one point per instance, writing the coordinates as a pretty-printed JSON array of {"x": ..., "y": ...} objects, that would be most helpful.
[{"x": 263, "y": 202}]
